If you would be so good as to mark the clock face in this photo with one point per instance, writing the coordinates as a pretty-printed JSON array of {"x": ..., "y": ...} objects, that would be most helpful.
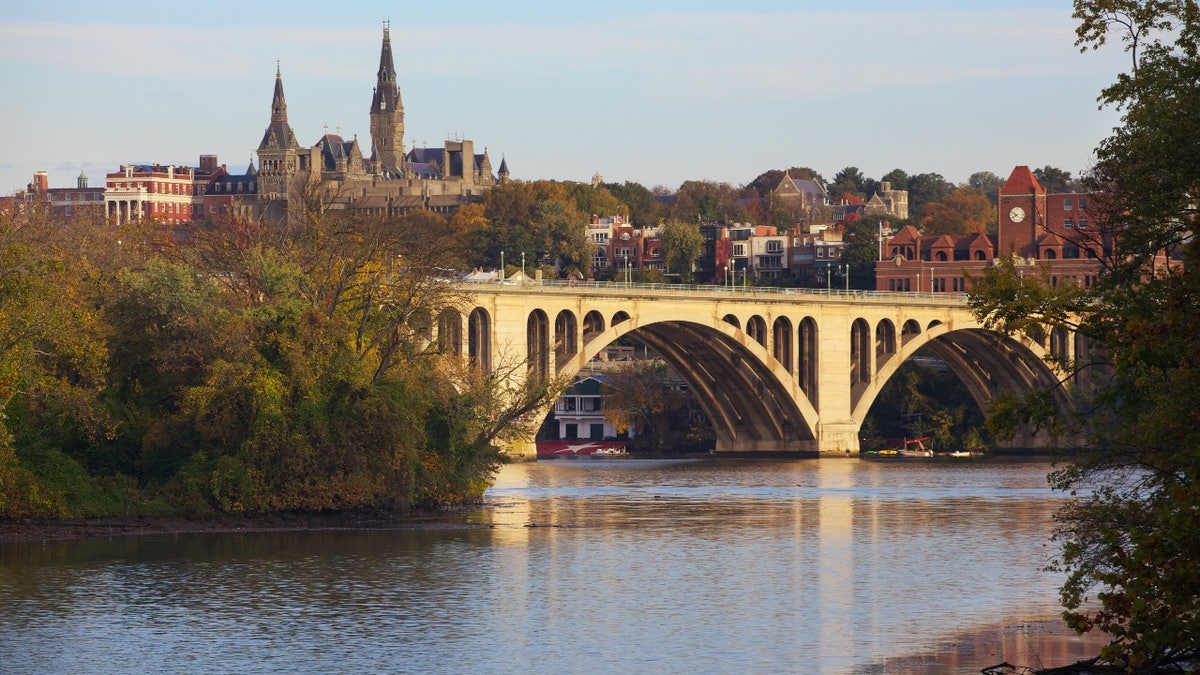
[{"x": 1017, "y": 214}]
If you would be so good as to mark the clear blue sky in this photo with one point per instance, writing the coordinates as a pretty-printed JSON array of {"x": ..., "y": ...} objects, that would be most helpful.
[{"x": 651, "y": 92}]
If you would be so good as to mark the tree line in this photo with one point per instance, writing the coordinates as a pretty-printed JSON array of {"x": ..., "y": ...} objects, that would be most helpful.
[{"x": 251, "y": 369}]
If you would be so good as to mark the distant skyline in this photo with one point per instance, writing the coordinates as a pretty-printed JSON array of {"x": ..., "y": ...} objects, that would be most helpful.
[{"x": 653, "y": 92}]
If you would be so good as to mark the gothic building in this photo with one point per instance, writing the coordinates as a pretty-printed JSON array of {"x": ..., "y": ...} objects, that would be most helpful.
[{"x": 387, "y": 181}]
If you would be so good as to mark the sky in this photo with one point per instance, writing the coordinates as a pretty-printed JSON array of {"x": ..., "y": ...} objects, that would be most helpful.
[{"x": 652, "y": 92}]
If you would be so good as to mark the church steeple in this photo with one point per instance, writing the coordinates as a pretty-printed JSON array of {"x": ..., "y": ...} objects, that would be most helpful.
[
  {"x": 387, "y": 112},
  {"x": 278, "y": 103}
]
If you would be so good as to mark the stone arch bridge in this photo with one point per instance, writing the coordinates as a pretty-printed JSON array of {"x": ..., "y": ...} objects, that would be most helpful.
[{"x": 775, "y": 370}]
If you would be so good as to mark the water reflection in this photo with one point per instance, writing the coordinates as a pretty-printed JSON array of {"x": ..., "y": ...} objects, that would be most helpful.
[{"x": 572, "y": 566}]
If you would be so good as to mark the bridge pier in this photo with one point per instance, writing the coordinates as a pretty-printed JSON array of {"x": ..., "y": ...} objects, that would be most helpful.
[{"x": 837, "y": 438}]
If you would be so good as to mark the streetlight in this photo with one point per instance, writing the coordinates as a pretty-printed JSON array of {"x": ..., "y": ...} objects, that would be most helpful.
[
  {"x": 728, "y": 284},
  {"x": 828, "y": 278},
  {"x": 501, "y": 264},
  {"x": 627, "y": 269},
  {"x": 522, "y": 266},
  {"x": 846, "y": 273}
]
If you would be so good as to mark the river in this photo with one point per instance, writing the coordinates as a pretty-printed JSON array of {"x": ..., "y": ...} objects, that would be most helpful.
[{"x": 573, "y": 566}]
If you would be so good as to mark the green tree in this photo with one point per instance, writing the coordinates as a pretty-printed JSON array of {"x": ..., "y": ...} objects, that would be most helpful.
[
  {"x": 1131, "y": 531},
  {"x": 988, "y": 183},
  {"x": 861, "y": 250},
  {"x": 682, "y": 244},
  {"x": 924, "y": 188},
  {"x": 1054, "y": 179},
  {"x": 849, "y": 180}
]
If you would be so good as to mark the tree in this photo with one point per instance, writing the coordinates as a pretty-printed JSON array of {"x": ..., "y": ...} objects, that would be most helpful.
[
  {"x": 706, "y": 201},
  {"x": 963, "y": 211},
  {"x": 924, "y": 188},
  {"x": 897, "y": 177},
  {"x": 850, "y": 180},
  {"x": 640, "y": 396},
  {"x": 682, "y": 244},
  {"x": 988, "y": 183},
  {"x": 642, "y": 208},
  {"x": 861, "y": 250},
  {"x": 1054, "y": 179},
  {"x": 1131, "y": 531}
]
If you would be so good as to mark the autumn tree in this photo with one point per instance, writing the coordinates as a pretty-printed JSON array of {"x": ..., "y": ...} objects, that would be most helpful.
[
  {"x": 705, "y": 201},
  {"x": 988, "y": 183},
  {"x": 643, "y": 208},
  {"x": 639, "y": 396},
  {"x": 1130, "y": 532},
  {"x": 963, "y": 211}
]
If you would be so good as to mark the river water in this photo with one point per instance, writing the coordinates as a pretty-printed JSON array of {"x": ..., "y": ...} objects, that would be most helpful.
[{"x": 571, "y": 566}]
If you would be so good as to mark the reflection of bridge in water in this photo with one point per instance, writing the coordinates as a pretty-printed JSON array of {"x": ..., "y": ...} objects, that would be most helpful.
[{"x": 775, "y": 370}]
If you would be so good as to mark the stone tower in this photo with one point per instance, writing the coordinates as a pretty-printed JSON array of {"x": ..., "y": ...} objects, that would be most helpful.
[
  {"x": 387, "y": 113},
  {"x": 278, "y": 154}
]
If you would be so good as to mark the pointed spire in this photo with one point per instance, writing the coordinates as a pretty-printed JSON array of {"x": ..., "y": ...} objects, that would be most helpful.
[
  {"x": 386, "y": 96},
  {"x": 278, "y": 103}
]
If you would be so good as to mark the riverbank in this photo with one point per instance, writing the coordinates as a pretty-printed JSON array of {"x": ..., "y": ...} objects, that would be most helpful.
[{"x": 67, "y": 530}]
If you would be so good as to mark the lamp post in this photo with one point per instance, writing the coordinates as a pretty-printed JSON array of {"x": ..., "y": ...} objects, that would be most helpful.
[
  {"x": 727, "y": 283},
  {"x": 828, "y": 278},
  {"x": 522, "y": 266},
  {"x": 626, "y": 269},
  {"x": 501, "y": 264},
  {"x": 846, "y": 273}
]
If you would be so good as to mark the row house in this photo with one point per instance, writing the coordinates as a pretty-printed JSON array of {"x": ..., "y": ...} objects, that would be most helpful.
[{"x": 620, "y": 249}]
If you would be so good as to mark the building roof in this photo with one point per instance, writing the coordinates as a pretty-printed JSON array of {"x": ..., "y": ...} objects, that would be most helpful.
[{"x": 1021, "y": 182}]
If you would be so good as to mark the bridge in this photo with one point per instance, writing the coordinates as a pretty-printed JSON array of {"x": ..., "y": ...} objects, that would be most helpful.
[{"x": 775, "y": 370}]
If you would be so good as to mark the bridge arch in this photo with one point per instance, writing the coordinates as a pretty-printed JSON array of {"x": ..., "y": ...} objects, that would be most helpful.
[
  {"x": 987, "y": 364},
  {"x": 449, "y": 332},
  {"x": 749, "y": 397},
  {"x": 537, "y": 345},
  {"x": 479, "y": 340},
  {"x": 566, "y": 337}
]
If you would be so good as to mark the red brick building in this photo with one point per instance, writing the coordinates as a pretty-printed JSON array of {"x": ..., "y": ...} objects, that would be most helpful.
[{"x": 1054, "y": 233}]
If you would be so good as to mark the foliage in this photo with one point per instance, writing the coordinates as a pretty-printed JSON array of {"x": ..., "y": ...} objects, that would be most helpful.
[
  {"x": 640, "y": 396},
  {"x": 1129, "y": 533},
  {"x": 642, "y": 208},
  {"x": 963, "y": 211},
  {"x": 988, "y": 183},
  {"x": 924, "y": 188},
  {"x": 1054, "y": 180},
  {"x": 258, "y": 370},
  {"x": 861, "y": 250},
  {"x": 682, "y": 244}
]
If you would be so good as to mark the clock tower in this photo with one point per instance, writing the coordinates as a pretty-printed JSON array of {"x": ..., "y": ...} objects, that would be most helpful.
[{"x": 1022, "y": 209}]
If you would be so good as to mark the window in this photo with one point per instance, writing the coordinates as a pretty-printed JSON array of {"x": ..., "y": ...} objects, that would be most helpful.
[
  {"x": 1067, "y": 204},
  {"x": 1083, "y": 223},
  {"x": 820, "y": 251},
  {"x": 1068, "y": 224},
  {"x": 739, "y": 250},
  {"x": 1082, "y": 203},
  {"x": 774, "y": 246}
]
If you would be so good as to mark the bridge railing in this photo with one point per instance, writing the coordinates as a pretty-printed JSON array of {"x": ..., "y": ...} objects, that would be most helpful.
[{"x": 711, "y": 290}]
